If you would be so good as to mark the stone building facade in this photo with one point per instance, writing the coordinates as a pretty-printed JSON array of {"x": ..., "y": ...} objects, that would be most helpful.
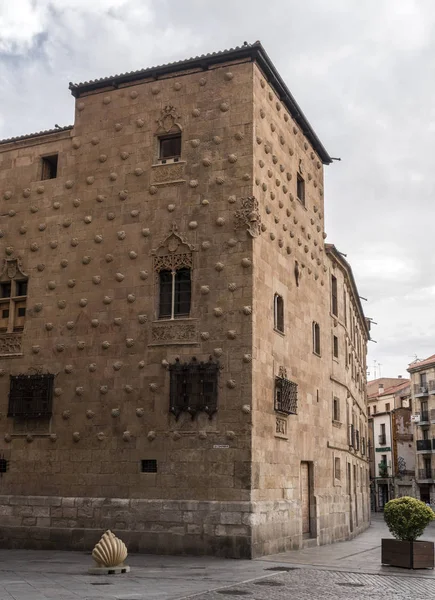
[
  {"x": 182, "y": 355},
  {"x": 422, "y": 373},
  {"x": 392, "y": 452}
]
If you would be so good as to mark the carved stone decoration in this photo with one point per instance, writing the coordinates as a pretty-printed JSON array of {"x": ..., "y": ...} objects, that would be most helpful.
[
  {"x": 140, "y": 412},
  {"x": 76, "y": 436},
  {"x": 110, "y": 551},
  {"x": 12, "y": 267},
  {"x": 165, "y": 333},
  {"x": 173, "y": 252},
  {"x": 10, "y": 343},
  {"x": 167, "y": 173},
  {"x": 248, "y": 216},
  {"x": 168, "y": 119}
]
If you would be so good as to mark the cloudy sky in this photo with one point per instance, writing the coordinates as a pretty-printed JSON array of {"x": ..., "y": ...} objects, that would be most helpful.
[{"x": 363, "y": 73}]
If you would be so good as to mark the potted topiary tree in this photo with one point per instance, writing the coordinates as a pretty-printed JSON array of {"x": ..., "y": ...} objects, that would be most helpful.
[{"x": 407, "y": 518}]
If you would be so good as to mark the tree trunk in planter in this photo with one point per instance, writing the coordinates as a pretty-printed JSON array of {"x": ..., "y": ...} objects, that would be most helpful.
[{"x": 409, "y": 555}]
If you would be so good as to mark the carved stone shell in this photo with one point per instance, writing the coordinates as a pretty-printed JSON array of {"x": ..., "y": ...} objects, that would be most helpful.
[{"x": 110, "y": 551}]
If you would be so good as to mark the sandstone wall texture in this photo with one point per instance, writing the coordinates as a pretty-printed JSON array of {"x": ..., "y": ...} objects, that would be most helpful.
[{"x": 90, "y": 243}]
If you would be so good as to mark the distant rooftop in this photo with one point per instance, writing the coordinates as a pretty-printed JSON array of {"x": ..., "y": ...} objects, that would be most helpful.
[{"x": 419, "y": 364}]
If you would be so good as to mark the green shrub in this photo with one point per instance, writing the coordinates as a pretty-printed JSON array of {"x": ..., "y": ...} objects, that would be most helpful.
[{"x": 407, "y": 518}]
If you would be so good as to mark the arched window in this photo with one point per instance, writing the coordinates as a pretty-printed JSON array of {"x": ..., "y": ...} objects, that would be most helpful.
[
  {"x": 316, "y": 338},
  {"x": 278, "y": 309}
]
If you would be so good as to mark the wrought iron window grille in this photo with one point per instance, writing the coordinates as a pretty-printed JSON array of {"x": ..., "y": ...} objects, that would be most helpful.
[
  {"x": 193, "y": 387},
  {"x": 4, "y": 465},
  {"x": 31, "y": 396},
  {"x": 286, "y": 396}
]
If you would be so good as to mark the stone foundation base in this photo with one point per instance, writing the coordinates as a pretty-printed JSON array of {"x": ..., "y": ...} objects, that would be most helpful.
[{"x": 226, "y": 529}]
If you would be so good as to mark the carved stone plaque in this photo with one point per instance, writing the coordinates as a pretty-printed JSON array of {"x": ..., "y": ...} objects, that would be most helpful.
[
  {"x": 281, "y": 427},
  {"x": 10, "y": 343},
  {"x": 174, "y": 333},
  {"x": 167, "y": 173}
]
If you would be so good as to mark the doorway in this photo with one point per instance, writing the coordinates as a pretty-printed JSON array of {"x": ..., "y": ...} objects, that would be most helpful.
[{"x": 305, "y": 499}]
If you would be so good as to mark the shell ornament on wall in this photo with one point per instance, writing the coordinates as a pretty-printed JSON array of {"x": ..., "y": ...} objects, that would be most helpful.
[{"x": 110, "y": 551}]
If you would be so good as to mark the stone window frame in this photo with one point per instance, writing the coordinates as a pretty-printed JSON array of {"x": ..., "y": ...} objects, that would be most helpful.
[
  {"x": 278, "y": 313},
  {"x": 317, "y": 349},
  {"x": 172, "y": 254},
  {"x": 12, "y": 275}
]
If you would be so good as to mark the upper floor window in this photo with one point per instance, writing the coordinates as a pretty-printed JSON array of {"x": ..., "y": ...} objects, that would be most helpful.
[
  {"x": 316, "y": 338},
  {"x": 334, "y": 297},
  {"x": 278, "y": 309},
  {"x": 300, "y": 189},
  {"x": 175, "y": 293},
  {"x": 13, "y": 297},
  {"x": 387, "y": 407},
  {"x": 170, "y": 146},
  {"x": 49, "y": 167},
  {"x": 336, "y": 409},
  {"x": 335, "y": 346},
  {"x": 286, "y": 395}
]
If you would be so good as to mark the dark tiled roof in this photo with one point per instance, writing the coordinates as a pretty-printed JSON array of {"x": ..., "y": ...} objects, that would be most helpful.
[
  {"x": 254, "y": 52},
  {"x": 36, "y": 134}
]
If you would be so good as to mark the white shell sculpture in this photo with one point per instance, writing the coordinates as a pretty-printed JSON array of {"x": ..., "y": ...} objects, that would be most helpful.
[{"x": 110, "y": 551}]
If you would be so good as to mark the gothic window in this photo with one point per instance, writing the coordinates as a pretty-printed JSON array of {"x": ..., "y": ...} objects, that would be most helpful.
[
  {"x": 278, "y": 309},
  {"x": 30, "y": 396},
  {"x": 173, "y": 262},
  {"x": 169, "y": 135},
  {"x": 193, "y": 387},
  {"x": 13, "y": 297},
  {"x": 175, "y": 293},
  {"x": 286, "y": 396}
]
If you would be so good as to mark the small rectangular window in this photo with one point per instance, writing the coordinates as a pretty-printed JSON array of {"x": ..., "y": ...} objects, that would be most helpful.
[
  {"x": 21, "y": 288},
  {"x": 336, "y": 409},
  {"x": 300, "y": 189},
  {"x": 279, "y": 313},
  {"x": 170, "y": 146},
  {"x": 5, "y": 313},
  {"x": 175, "y": 293},
  {"x": 334, "y": 297},
  {"x": 316, "y": 338},
  {"x": 5, "y": 290},
  {"x": 49, "y": 167},
  {"x": 21, "y": 312},
  {"x": 335, "y": 344},
  {"x": 368, "y": 411},
  {"x": 337, "y": 470},
  {"x": 375, "y": 410},
  {"x": 387, "y": 407},
  {"x": 148, "y": 465}
]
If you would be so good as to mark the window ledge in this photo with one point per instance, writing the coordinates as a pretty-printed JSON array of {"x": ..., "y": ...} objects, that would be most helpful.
[
  {"x": 281, "y": 333},
  {"x": 337, "y": 424},
  {"x": 317, "y": 354}
]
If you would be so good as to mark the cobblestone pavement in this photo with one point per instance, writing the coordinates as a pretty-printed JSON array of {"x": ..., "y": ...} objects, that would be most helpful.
[{"x": 347, "y": 570}]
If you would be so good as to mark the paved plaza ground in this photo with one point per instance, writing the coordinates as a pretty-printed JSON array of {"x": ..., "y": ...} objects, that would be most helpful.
[{"x": 346, "y": 570}]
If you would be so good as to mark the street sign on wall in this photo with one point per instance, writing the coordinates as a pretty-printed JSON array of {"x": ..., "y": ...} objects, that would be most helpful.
[{"x": 387, "y": 449}]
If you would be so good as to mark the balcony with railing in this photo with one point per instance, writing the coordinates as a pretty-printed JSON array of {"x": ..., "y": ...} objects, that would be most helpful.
[
  {"x": 421, "y": 389},
  {"x": 382, "y": 439},
  {"x": 425, "y": 474},
  {"x": 424, "y": 445},
  {"x": 424, "y": 418}
]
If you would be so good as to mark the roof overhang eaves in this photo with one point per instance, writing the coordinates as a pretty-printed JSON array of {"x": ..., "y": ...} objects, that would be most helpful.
[{"x": 254, "y": 52}]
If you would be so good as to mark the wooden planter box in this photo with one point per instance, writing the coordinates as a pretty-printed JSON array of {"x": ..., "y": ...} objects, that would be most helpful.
[{"x": 409, "y": 555}]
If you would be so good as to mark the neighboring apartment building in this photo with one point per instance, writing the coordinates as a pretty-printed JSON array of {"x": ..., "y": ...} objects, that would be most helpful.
[
  {"x": 182, "y": 357},
  {"x": 392, "y": 460},
  {"x": 423, "y": 401}
]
